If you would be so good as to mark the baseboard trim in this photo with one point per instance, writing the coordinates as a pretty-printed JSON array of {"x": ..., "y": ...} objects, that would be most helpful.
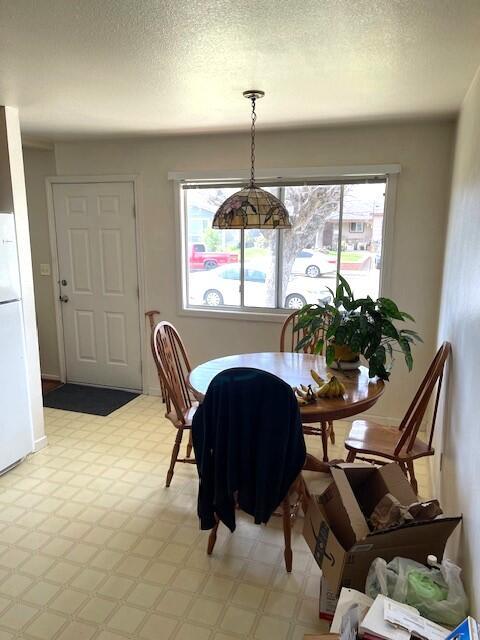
[
  {"x": 51, "y": 376},
  {"x": 39, "y": 444}
]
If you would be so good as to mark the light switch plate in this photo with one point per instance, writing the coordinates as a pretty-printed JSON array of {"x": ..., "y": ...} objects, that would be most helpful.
[{"x": 44, "y": 269}]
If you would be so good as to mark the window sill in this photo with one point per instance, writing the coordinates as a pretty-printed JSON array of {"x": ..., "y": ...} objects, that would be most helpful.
[{"x": 277, "y": 317}]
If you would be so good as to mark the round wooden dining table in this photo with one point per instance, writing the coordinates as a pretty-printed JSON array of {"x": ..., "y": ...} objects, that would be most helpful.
[{"x": 361, "y": 392}]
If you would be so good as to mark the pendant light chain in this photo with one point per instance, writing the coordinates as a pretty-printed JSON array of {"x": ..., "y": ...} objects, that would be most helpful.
[
  {"x": 254, "y": 117},
  {"x": 252, "y": 207}
]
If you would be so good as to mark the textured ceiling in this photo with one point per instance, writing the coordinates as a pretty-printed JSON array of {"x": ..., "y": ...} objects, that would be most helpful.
[{"x": 118, "y": 67}]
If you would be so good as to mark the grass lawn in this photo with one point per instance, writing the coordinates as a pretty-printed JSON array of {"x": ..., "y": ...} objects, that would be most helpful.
[
  {"x": 352, "y": 256},
  {"x": 347, "y": 256},
  {"x": 255, "y": 252}
]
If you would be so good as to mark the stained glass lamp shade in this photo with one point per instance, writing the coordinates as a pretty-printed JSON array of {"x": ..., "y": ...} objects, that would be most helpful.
[{"x": 252, "y": 207}]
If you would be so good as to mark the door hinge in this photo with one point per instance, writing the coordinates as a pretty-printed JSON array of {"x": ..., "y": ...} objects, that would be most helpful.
[{"x": 134, "y": 211}]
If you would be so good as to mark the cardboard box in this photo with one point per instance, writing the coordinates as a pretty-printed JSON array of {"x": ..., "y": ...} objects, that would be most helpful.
[
  {"x": 469, "y": 629},
  {"x": 327, "y": 602},
  {"x": 338, "y": 535}
]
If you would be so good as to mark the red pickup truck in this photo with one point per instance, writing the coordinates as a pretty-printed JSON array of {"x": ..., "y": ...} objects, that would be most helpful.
[{"x": 198, "y": 258}]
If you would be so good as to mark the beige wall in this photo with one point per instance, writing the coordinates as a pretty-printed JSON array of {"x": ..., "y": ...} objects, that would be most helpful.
[
  {"x": 458, "y": 482},
  {"x": 423, "y": 149},
  {"x": 38, "y": 165}
]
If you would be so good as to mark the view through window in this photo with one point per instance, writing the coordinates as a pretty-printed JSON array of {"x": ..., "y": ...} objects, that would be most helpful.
[{"x": 333, "y": 225}]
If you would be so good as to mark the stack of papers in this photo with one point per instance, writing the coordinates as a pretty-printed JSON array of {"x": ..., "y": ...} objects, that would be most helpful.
[{"x": 390, "y": 620}]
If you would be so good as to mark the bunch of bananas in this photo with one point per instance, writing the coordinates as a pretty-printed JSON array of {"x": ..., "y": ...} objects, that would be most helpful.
[
  {"x": 317, "y": 378},
  {"x": 304, "y": 394},
  {"x": 331, "y": 389}
]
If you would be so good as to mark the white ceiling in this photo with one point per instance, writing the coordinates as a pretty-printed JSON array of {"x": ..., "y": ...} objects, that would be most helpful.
[{"x": 123, "y": 67}]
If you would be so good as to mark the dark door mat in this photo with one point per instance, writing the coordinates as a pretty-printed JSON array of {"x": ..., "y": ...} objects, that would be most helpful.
[{"x": 98, "y": 401}]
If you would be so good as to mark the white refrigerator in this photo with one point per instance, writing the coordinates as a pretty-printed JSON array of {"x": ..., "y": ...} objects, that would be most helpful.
[{"x": 16, "y": 430}]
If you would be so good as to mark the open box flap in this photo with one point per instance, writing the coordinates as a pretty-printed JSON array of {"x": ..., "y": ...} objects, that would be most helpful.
[
  {"x": 387, "y": 479},
  {"x": 438, "y": 531},
  {"x": 352, "y": 509},
  {"x": 397, "y": 484}
]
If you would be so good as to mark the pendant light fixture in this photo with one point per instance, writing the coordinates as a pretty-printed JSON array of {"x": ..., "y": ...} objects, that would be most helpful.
[{"x": 252, "y": 207}]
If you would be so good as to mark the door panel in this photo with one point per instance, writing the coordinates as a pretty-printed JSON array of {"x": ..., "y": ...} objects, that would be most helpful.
[
  {"x": 80, "y": 260},
  {"x": 111, "y": 261},
  {"x": 85, "y": 336},
  {"x": 95, "y": 226}
]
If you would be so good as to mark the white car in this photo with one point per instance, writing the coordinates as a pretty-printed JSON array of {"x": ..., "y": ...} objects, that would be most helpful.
[
  {"x": 221, "y": 287},
  {"x": 314, "y": 263}
]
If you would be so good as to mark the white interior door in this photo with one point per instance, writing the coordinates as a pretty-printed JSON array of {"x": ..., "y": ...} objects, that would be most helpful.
[{"x": 97, "y": 256}]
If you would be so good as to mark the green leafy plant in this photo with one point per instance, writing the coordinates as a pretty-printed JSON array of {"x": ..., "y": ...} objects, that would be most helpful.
[{"x": 364, "y": 325}]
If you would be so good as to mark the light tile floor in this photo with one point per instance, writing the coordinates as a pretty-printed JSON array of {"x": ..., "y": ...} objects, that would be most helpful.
[{"x": 94, "y": 547}]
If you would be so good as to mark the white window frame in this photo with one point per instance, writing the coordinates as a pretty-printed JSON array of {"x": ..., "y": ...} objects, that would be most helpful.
[{"x": 389, "y": 171}]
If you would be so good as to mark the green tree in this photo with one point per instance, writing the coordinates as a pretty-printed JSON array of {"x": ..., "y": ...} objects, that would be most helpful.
[{"x": 211, "y": 239}]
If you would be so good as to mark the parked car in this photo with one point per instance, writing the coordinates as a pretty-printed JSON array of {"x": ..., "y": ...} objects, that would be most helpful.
[
  {"x": 201, "y": 259},
  {"x": 378, "y": 260},
  {"x": 222, "y": 286},
  {"x": 314, "y": 263}
]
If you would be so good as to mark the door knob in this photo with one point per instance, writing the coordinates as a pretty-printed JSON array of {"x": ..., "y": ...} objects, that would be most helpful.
[{"x": 63, "y": 298}]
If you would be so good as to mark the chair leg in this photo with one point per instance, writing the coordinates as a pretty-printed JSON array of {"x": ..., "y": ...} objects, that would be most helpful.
[
  {"x": 212, "y": 538},
  {"x": 287, "y": 533},
  {"x": 411, "y": 473},
  {"x": 176, "y": 449},
  {"x": 351, "y": 456},
  {"x": 324, "y": 426},
  {"x": 304, "y": 494},
  {"x": 190, "y": 444},
  {"x": 332, "y": 432}
]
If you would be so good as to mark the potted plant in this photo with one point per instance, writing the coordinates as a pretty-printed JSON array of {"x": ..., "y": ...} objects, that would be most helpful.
[{"x": 357, "y": 327}]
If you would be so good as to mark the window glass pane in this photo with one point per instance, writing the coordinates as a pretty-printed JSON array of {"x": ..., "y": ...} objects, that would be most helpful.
[
  {"x": 304, "y": 259},
  {"x": 213, "y": 255},
  {"x": 308, "y": 254},
  {"x": 260, "y": 268},
  {"x": 363, "y": 210}
]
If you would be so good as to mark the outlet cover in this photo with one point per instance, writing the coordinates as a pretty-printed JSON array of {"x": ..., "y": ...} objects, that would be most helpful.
[{"x": 44, "y": 269}]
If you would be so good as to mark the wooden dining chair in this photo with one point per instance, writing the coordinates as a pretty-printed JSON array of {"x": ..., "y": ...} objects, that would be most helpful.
[
  {"x": 401, "y": 445},
  {"x": 173, "y": 367},
  {"x": 250, "y": 454},
  {"x": 289, "y": 338},
  {"x": 297, "y": 496},
  {"x": 291, "y": 334},
  {"x": 152, "y": 321}
]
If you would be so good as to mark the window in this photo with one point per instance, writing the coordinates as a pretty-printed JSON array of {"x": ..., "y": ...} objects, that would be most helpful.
[
  {"x": 356, "y": 227},
  {"x": 272, "y": 270}
]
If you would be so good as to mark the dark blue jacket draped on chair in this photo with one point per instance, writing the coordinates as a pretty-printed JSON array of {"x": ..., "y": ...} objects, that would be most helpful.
[{"x": 249, "y": 446}]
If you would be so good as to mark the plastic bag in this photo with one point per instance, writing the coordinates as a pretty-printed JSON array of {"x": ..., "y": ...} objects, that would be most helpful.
[{"x": 437, "y": 593}]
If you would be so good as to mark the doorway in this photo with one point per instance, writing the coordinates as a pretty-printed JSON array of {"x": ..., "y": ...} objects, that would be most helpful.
[{"x": 98, "y": 285}]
